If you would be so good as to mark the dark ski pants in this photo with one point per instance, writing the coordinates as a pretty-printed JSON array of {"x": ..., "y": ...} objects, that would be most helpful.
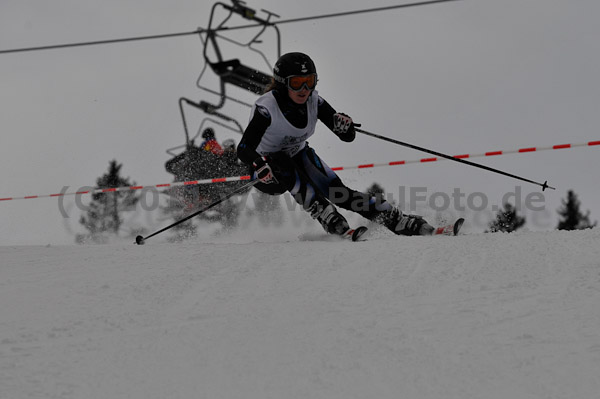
[{"x": 308, "y": 179}]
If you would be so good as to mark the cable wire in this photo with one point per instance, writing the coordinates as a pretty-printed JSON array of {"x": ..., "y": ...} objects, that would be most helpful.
[
  {"x": 365, "y": 11},
  {"x": 110, "y": 41},
  {"x": 200, "y": 30}
]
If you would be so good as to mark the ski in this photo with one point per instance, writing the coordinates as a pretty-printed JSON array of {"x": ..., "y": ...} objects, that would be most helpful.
[
  {"x": 451, "y": 229},
  {"x": 358, "y": 233},
  {"x": 355, "y": 234}
]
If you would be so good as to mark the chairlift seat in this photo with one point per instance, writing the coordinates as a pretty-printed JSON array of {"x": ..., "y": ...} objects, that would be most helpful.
[{"x": 233, "y": 72}]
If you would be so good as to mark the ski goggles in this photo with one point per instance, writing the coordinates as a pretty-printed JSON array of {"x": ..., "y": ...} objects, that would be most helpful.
[{"x": 296, "y": 83}]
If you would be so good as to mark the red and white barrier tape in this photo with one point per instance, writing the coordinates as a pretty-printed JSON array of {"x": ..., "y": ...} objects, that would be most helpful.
[
  {"x": 463, "y": 156},
  {"x": 363, "y": 166},
  {"x": 132, "y": 188}
]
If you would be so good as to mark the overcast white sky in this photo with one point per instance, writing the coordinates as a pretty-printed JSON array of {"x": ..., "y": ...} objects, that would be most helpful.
[{"x": 462, "y": 77}]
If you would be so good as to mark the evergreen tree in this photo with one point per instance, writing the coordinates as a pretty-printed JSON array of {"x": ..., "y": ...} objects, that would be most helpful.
[
  {"x": 103, "y": 215},
  {"x": 571, "y": 216},
  {"x": 507, "y": 220},
  {"x": 375, "y": 190}
]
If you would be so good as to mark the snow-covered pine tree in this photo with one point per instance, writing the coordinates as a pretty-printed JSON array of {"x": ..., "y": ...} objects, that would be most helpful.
[
  {"x": 507, "y": 220},
  {"x": 375, "y": 189},
  {"x": 571, "y": 217},
  {"x": 103, "y": 215}
]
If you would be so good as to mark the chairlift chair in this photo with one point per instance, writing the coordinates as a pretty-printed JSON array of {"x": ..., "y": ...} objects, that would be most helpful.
[
  {"x": 194, "y": 163},
  {"x": 233, "y": 71}
]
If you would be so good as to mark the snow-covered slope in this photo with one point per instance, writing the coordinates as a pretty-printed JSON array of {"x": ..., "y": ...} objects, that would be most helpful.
[{"x": 480, "y": 316}]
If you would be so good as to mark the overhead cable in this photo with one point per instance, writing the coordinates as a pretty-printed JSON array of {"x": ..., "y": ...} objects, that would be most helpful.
[{"x": 200, "y": 30}]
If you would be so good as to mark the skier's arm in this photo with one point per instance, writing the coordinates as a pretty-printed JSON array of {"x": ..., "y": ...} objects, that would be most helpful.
[
  {"x": 253, "y": 135},
  {"x": 325, "y": 113},
  {"x": 340, "y": 124}
]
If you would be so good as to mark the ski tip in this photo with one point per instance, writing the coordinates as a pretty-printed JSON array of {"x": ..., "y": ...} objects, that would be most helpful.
[
  {"x": 457, "y": 225},
  {"x": 358, "y": 233}
]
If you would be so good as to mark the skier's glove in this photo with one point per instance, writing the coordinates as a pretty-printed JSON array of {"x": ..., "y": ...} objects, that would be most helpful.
[
  {"x": 344, "y": 127},
  {"x": 263, "y": 170}
]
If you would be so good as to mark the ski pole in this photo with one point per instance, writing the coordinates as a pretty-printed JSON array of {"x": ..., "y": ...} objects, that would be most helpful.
[
  {"x": 544, "y": 185},
  {"x": 139, "y": 240}
]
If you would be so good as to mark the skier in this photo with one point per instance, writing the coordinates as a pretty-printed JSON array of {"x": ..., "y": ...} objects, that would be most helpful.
[{"x": 274, "y": 145}]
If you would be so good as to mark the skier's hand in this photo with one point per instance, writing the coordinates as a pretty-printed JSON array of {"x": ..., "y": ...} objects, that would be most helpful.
[
  {"x": 344, "y": 127},
  {"x": 264, "y": 172}
]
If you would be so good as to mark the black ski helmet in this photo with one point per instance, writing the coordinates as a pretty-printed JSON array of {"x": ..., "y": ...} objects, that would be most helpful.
[{"x": 293, "y": 64}]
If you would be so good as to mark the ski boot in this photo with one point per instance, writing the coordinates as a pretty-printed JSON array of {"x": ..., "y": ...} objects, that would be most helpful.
[
  {"x": 331, "y": 220},
  {"x": 407, "y": 225}
]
